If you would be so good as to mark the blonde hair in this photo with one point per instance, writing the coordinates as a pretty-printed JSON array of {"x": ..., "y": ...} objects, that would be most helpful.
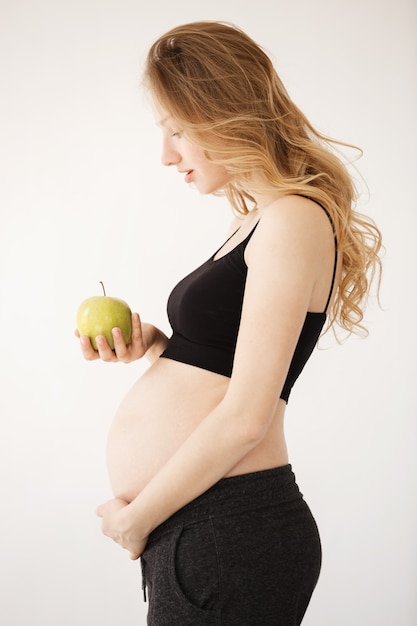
[{"x": 224, "y": 92}]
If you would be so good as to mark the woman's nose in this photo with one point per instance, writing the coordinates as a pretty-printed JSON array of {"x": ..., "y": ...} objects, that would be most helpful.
[{"x": 169, "y": 156}]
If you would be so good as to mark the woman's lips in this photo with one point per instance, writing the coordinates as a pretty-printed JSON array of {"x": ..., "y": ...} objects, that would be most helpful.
[{"x": 188, "y": 176}]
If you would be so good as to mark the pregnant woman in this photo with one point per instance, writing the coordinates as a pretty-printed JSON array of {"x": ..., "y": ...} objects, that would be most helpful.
[{"x": 203, "y": 488}]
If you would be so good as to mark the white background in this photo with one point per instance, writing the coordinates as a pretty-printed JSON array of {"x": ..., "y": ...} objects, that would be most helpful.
[{"x": 84, "y": 198}]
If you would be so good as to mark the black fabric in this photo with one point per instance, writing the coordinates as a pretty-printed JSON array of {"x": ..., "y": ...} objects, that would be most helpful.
[
  {"x": 204, "y": 310},
  {"x": 245, "y": 553}
]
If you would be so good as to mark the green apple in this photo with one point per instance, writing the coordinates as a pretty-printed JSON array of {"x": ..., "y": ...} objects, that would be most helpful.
[{"x": 99, "y": 314}]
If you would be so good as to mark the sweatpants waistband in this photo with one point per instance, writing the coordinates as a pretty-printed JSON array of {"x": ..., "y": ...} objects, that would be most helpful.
[{"x": 243, "y": 491}]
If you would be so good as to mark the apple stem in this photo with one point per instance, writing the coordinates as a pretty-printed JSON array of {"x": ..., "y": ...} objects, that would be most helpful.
[{"x": 104, "y": 291}]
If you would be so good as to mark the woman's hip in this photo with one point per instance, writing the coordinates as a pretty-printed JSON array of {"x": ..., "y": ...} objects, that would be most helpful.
[{"x": 246, "y": 549}]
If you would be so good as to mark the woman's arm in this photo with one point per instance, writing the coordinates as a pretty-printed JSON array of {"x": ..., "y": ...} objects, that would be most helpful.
[{"x": 285, "y": 257}]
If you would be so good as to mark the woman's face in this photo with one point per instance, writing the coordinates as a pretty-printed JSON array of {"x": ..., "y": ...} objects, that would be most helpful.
[{"x": 187, "y": 157}]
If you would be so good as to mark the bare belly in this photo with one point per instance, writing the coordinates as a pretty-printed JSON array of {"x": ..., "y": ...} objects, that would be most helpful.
[{"x": 159, "y": 412}]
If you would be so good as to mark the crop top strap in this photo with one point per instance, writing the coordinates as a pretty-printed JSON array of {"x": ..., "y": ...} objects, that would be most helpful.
[
  {"x": 335, "y": 256},
  {"x": 336, "y": 247}
]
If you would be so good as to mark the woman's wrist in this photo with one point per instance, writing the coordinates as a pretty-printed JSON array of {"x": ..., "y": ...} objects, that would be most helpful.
[
  {"x": 155, "y": 341},
  {"x": 135, "y": 522}
]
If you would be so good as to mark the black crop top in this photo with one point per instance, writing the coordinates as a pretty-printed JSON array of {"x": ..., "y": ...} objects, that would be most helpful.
[{"x": 204, "y": 311}]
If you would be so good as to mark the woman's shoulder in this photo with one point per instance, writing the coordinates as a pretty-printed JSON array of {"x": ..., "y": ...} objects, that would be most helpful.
[
  {"x": 292, "y": 225},
  {"x": 295, "y": 214},
  {"x": 289, "y": 205}
]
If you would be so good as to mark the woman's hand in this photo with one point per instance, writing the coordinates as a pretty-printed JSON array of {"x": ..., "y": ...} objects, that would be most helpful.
[
  {"x": 136, "y": 349},
  {"x": 116, "y": 525}
]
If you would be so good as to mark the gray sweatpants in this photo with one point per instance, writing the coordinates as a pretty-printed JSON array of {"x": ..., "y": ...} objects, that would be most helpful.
[{"x": 245, "y": 553}]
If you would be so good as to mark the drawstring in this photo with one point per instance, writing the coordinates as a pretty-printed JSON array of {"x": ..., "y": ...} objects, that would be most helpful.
[{"x": 142, "y": 565}]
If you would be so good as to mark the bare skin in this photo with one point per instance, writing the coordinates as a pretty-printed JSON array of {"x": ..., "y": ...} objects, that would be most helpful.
[{"x": 180, "y": 429}]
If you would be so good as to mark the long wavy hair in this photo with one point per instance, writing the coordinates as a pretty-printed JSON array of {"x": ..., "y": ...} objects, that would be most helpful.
[{"x": 223, "y": 91}]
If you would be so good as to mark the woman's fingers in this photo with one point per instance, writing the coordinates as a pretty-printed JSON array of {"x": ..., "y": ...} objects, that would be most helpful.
[
  {"x": 135, "y": 349},
  {"x": 137, "y": 346},
  {"x": 104, "y": 350},
  {"x": 87, "y": 349},
  {"x": 136, "y": 329},
  {"x": 121, "y": 352}
]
